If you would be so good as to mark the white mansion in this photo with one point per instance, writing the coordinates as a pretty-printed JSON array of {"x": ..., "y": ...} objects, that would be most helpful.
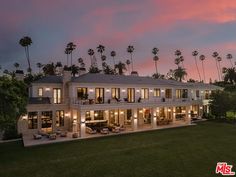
[{"x": 85, "y": 103}]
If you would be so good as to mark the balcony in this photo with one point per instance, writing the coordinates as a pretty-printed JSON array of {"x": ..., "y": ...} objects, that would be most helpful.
[{"x": 123, "y": 103}]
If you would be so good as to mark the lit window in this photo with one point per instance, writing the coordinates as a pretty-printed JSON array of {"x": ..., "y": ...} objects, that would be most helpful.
[
  {"x": 59, "y": 118},
  {"x": 144, "y": 93},
  {"x": 157, "y": 92},
  {"x": 40, "y": 92},
  {"x": 115, "y": 93},
  {"x": 56, "y": 95}
]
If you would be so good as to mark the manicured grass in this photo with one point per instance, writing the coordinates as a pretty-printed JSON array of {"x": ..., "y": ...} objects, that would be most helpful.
[{"x": 188, "y": 151}]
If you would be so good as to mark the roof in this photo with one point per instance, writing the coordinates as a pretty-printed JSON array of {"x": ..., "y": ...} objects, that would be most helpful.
[
  {"x": 124, "y": 79},
  {"x": 50, "y": 79},
  {"x": 39, "y": 100}
]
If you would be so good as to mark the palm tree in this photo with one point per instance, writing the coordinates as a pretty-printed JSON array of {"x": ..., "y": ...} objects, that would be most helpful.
[
  {"x": 128, "y": 63},
  {"x": 120, "y": 67},
  {"x": 67, "y": 52},
  {"x": 195, "y": 53},
  {"x": 179, "y": 74},
  {"x": 71, "y": 46},
  {"x": 103, "y": 57},
  {"x": 219, "y": 59},
  {"x": 158, "y": 76},
  {"x": 178, "y": 53},
  {"x": 49, "y": 69},
  {"x": 229, "y": 57},
  {"x": 177, "y": 62},
  {"x": 181, "y": 59},
  {"x": 74, "y": 70},
  {"x": 215, "y": 55},
  {"x": 91, "y": 54},
  {"x": 101, "y": 49},
  {"x": 229, "y": 75},
  {"x": 130, "y": 50},
  {"x": 155, "y": 58},
  {"x": 113, "y": 54},
  {"x": 202, "y": 58},
  {"x": 39, "y": 65},
  {"x": 16, "y": 65},
  {"x": 25, "y": 42}
]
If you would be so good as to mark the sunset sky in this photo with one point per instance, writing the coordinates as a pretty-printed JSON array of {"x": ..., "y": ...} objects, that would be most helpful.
[{"x": 203, "y": 25}]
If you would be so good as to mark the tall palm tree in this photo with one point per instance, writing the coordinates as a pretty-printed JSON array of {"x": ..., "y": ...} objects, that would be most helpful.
[
  {"x": 215, "y": 55},
  {"x": 229, "y": 57},
  {"x": 91, "y": 54},
  {"x": 128, "y": 63},
  {"x": 178, "y": 53},
  {"x": 71, "y": 46},
  {"x": 25, "y": 42},
  {"x": 130, "y": 49},
  {"x": 103, "y": 57},
  {"x": 120, "y": 67},
  {"x": 219, "y": 59},
  {"x": 67, "y": 52},
  {"x": 202, "y": 58},
  {"x": 113, "y": 54},
  {"x": 179, "y": 74},
  {"x": 39, "y": 65},
  {"x": 16, "y": 65},
  {"x": 177, "y": 62},
  {"x": 195, "y": 54},
  {"x": 74, "y": 70},
  {"x": 181, "y": 59},
  {"x": 101, "y": 49},
  {"x": 49, "y": 69},
  {"x": 155, "y": 58}
]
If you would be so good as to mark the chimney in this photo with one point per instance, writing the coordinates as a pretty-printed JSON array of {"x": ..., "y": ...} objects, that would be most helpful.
[
  {"x": 134, "y": 73},
  {"x": 19, "y": 75},
  {"x": 66, "y": 77},
  {"x": 82, "y": 71}
]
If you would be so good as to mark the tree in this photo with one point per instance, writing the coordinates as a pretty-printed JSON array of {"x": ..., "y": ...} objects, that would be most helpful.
[
  {"x": 16, "y": 65},
  {"x": 202, "y": 58},
  {"x": 220, "y": 103},
  {"x": 94, "y": 69},
  {"x": 74, "y": 70},
  {"x": 71, "y": 47},
  {"x": 113, "y": 54},
  {"x": 158, "y": 76},
  {"x": 101, "y": 49},
  {"x": 49, "y": 69},
  {"x": 229, "y": 75},
  {"x": 219, "y": 59},
  {"x": 130, "y": 50},
  {"x": 179, "y": 74},
  {"x": 195, "y": 53},
  {"x": 67, "y": 52},
  {"x": 120, "y": 67},
  {"x": 25, "y": 42},
  {"x": 107, "y": 69},
  {"x": 229, "y": 57},
  {"x": 128, "y": 63},
  {"x": 13, "y": 94},
  {"x": 215, "y": 55},
  {"x": 91, "y": 54},
  {"x": 155, "y": 58},
  {"x": 39, "y": 65}
]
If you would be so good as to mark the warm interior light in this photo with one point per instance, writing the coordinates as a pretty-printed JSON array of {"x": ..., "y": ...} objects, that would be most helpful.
[
  {"x": 116, "y": 113},
  {"x": 96, "y": 114},
  {"x": 47, "y": 89},
  {"x": 121, "y": 112}
]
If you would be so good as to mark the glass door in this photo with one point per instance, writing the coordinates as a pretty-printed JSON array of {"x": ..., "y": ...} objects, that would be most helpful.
[{"x": 46, "y": 119}]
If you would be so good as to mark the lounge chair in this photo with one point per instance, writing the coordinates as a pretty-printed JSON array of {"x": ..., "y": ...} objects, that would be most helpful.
[
  {"x": 63, "y": 134},
  {"x": 104, "y": 130},
  {"x": 90, "y": 130},
  {"x": 52, "y": 136},
  {"x": 37, "y": 136}
]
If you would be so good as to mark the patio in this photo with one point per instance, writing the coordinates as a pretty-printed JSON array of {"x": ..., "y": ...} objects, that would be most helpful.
[{"x": 28, "y": 140}]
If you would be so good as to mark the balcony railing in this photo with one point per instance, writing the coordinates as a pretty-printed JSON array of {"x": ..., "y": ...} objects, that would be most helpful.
[{"x": 122, "y": 101}]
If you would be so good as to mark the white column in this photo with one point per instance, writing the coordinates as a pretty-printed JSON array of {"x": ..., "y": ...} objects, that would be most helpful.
[
  {"x": 74, "y": 121},
  {"x": 134, "y": 119},
  {"x": 188, "y": 115},
  {"x": 174, "y": 115},
  {"x": 154, "y": 118},
  {"x": 82, "y": 124},
  {"x": 39, "y": 120}
]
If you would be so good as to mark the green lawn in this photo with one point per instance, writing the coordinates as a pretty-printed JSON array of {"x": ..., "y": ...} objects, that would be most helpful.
[{"x": 188, "y": 151}]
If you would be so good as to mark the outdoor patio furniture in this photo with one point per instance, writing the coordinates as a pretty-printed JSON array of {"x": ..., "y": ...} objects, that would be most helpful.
[
  {"x": 52, "y": 136},
  {"x": 75, "y": 135},
  {"x": 58, "y": 132},
  {"x": 43, "y": 133},
  {"x": 63, "y": 134},
  {"x": 90, "y": 130},
  {"x": 115, "y": 129},
  {"x": 104, "y": 130},
  {"x": 37, "y": 136}
]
